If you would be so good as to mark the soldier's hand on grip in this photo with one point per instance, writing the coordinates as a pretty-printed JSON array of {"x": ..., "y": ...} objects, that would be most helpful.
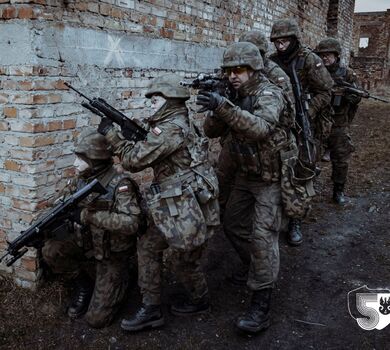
[
  {"x": 104, "y": 126},
  {"x": 209, "y": 100}
]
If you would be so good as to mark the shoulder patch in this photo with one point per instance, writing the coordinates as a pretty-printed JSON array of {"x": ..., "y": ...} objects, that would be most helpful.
[
  {"x": 319, "y": 64},
  {"x": 157, "y": 131},
  {"x": 281, "y": 79},
  {"x": 267, "y": 93}
]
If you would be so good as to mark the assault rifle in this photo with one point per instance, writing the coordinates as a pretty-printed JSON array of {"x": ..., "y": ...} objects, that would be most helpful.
[
  {"x": 51, "y": 221},
  {"x": 342, "y": 88},
  {"x": 302, "y": 118},
  {"x": 130, "y": 130},
  {"x": 209, "y": 82}
]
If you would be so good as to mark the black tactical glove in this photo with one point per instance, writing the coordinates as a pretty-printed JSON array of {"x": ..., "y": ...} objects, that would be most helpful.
[
  {"x": 104, "y": 126},
  {"x": 75, "y": 216},
  {"x": 209, "y": 100},
  {"x": 353, "y": 99}
]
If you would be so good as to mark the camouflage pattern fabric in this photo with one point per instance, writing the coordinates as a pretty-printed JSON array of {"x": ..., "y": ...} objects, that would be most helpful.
[
  {"x": 314, "y": 78},
  {"x": 110, "y": 224},
  {"x": 186, "y": 264},
  {"x": 340, "y": 142},
  {"x": 111, "y": 282},
  {"x": 253, "y": 215},
  {"x": 257, "y": 244},
  {"x": 182, "y": 200}
]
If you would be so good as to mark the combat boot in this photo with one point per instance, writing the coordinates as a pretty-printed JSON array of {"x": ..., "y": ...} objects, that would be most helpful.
[
  {"x": 338, "y": 194},
  {"x": 257, "y": 317},
  {"x": 189, "y": 307},
  {"x": 82, "y": 296},
  {"x": 147, "y": 316},
  {"x": 240, "y": 276},
  {"x": 294, "y": 235}
]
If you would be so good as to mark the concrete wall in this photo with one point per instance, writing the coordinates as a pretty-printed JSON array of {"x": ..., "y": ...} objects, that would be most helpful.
[{"x": 109, "y": 48}]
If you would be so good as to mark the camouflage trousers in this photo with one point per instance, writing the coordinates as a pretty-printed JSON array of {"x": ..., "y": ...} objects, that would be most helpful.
[
  {"x": 186, "y": 265},
  {"x": 341, "y": 148},
  {"x": 226, "y": 172},
  {"x": 252, "y": 222},
  {"x": 111, "y": 282}
]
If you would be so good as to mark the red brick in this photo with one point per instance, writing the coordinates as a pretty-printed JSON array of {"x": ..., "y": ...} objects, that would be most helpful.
[
  {"x": 11, "y": 165},
  {"x": 30, "y": 264},
  {"x": 9, "y": 12},
  {"x": 10, "y": 112},
  {"x": 26, "y": 13},
  {"x": 4, "y": 126}
]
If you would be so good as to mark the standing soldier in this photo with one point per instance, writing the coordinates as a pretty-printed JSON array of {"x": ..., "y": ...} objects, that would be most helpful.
[
  {"x": 312, "y": 90},
  {"x": 107, "y": 234},
  {"x": 345, "y": 107},
  {"x": 256, "y": 120},
  {"x": 182, "y": 200},
  {"x": 227, "y": 168}
]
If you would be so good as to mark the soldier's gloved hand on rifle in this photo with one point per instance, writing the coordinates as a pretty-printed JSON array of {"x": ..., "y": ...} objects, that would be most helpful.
[
  {"x": 105, "y": 126},
  {"x": 75, "y": 216},
  {"x": 209, "y": 100},
  {"x": 353, "y": 99}
]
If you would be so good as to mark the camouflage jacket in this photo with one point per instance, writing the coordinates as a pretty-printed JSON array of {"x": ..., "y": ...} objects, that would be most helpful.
[
  {"x": 344, "y": 104},
  {"x": 313, "y": 76},
  {"x": 278, "y": 76},
  {"x": 254, "y": 120},
  {"x": 110, "y": 222},
  {"x": 176, "y": 152}
]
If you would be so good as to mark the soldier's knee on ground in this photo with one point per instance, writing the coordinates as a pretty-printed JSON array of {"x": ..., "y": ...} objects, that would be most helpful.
[{"x": 99, "y": 319}]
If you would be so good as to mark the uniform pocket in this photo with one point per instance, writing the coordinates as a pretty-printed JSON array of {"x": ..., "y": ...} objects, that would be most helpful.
[{"x": 179, "y": 217}]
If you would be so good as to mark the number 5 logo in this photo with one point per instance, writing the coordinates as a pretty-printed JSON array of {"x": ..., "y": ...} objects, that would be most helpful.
[{"x": 369, "y": 307}]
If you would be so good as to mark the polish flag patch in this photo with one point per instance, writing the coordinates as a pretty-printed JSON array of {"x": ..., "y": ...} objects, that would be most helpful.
[
  {"x": 123, "y": 189},
  {"x": 157, "y": 131}
]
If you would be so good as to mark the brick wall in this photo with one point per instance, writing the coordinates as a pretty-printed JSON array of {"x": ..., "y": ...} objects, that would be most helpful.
[
  {"x": 109, "y": 48},
  {"x": 372, "y": 63}
]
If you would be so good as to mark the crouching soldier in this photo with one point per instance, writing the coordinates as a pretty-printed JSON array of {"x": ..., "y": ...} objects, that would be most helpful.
[
  {"x": 105, "y": 231},
  {"x": 182, "y": 200}
]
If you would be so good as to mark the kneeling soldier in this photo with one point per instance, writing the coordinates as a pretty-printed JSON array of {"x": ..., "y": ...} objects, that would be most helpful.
[{"x": 106, "y": 233}]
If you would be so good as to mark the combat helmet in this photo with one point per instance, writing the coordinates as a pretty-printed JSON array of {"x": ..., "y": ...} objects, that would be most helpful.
[
  {"x": 257, "y": 38},
  {"x": 243, "y": 54},
  {"x": 285, "y": 27},
  {"x": 93, "y": 146},
  {"x": 329, "y": 45},
  {"x": 168, "y": 86}
]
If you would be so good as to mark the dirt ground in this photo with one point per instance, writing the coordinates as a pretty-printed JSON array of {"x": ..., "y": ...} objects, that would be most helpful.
[{"x": 344, "y": 248}]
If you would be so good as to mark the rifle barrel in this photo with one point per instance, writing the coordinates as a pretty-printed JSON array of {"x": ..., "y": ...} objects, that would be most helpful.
[{"x": 77, "y": 91}]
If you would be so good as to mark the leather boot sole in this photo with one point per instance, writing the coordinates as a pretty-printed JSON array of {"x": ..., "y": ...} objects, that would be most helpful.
[
  {"x": 294, "y": 243},
  {"x": 177, "y": 312},
  {"x": 253, "y": 330},
  {"x": 140, "y": 327}
]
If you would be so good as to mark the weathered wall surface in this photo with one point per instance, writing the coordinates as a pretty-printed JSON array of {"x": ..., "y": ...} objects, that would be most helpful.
[
  {"x": 110, "y": 48},
  {"x": 372, "y": 63}
]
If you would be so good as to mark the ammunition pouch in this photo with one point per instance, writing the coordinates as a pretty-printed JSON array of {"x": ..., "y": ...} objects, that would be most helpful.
[{"x": 177, "y": 214}]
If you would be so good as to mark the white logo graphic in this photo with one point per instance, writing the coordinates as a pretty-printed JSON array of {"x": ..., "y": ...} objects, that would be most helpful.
[{"x": 370, "y": 307}]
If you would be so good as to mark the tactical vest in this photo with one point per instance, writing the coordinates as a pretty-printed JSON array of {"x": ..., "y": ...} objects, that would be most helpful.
[{"x": 259, "y": 160}]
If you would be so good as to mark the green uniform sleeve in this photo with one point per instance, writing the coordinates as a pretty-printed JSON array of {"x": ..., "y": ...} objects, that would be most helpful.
[
  {"x": 125, "y": 215},
  {"x": 320, "y": 84},
  {"x": 160, "y": 143},
  {"x": 258, "y": 125}
]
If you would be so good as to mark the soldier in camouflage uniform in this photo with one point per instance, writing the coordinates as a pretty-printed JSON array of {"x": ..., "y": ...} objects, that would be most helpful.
[
  {"x": 106, "y": 232},
  {"x": 315, "y": 80},
  {"x": 227, "y": 168},
  {"x": 256, "y": 119},
  {"x": 345, "y": 107},
  {"x": 182, "y": 201}
]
